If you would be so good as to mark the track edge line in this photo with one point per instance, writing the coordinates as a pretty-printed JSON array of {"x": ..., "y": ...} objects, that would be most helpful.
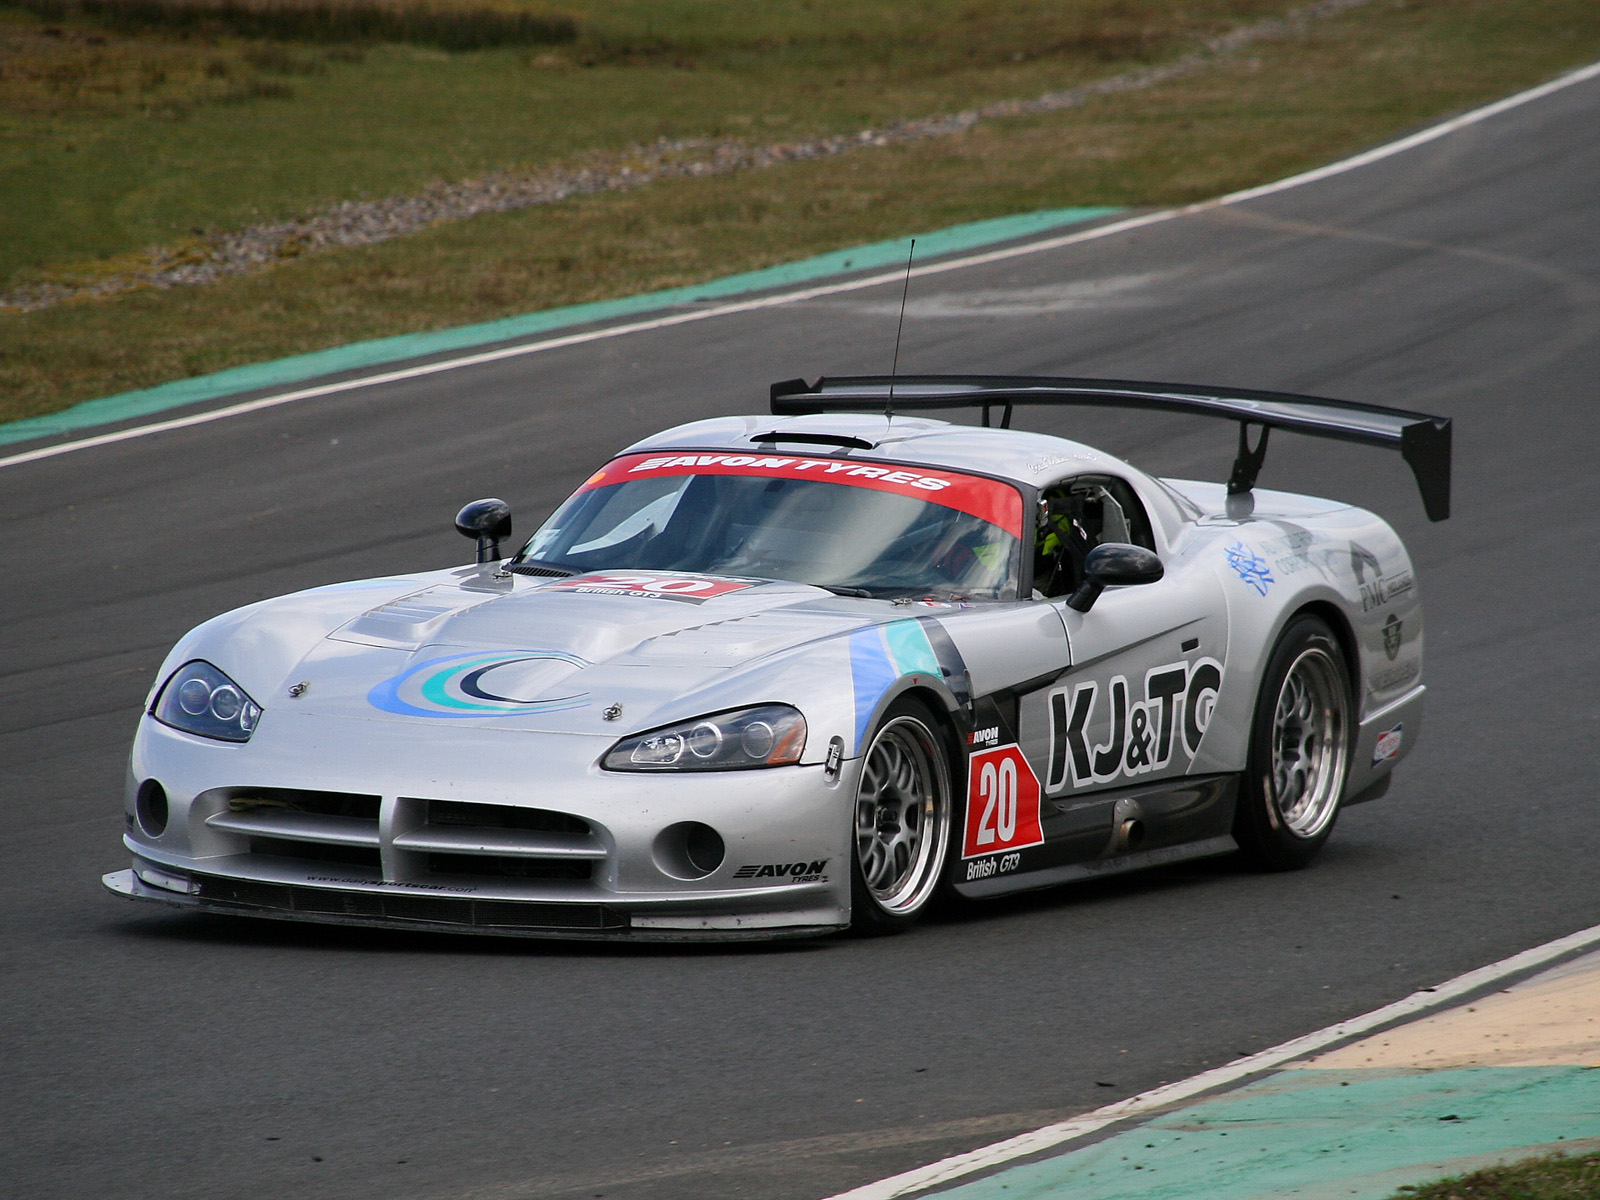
[{"x": 1048, "y": 1137}]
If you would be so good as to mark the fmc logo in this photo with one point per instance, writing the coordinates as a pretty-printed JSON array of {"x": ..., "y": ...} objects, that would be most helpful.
[{"x": 482, "y": 684}]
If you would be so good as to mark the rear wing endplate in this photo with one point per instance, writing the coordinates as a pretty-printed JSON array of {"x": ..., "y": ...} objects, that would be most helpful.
[{"x": 1423, "y": 440}]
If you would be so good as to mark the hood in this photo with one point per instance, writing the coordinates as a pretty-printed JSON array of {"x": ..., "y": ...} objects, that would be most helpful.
[{"x": 555, "y": 654}]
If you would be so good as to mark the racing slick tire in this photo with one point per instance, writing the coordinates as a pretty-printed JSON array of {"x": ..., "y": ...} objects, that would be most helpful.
[
  {"x": 1299, "y": 750},
  {"x": 900, "y": 822}
]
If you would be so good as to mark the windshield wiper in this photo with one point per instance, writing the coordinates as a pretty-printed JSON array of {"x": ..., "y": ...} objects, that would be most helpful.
[{"x": 862, "y": 593}]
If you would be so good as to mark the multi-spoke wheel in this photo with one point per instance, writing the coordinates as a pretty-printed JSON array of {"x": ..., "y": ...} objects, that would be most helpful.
[
  {"x": 901, "y": 821},
  {"x": 1299, "y": 750}
]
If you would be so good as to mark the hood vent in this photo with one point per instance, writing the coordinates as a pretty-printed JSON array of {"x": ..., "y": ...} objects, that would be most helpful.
[{"x": 411, "y": 620}]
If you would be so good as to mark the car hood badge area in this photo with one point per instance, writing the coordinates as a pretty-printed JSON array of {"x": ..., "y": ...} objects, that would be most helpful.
[{"x": 476, "y": 685}]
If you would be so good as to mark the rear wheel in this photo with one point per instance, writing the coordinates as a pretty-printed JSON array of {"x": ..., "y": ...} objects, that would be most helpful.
[
  {"x": 902, "y": 820},
  {"x": 1299, "y": 750}
]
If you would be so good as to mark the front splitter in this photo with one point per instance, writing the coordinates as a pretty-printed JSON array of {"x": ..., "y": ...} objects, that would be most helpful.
[{"x": 585, "y": 921}]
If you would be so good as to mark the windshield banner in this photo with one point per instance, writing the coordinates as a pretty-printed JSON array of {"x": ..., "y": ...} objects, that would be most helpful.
[{"x": 986, "y": 499}]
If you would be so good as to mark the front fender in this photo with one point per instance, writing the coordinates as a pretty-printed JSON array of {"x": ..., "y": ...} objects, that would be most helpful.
[{"x": 260, "y": 644}]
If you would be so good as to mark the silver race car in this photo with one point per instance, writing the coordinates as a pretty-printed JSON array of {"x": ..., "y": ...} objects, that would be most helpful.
[{"x": 781, "y": 675}]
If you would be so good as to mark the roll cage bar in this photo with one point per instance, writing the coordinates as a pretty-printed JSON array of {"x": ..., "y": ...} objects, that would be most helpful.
[{"x": 1423, "y": 440}]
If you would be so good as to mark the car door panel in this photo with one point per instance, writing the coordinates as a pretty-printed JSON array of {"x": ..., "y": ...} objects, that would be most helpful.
[{"x": 1148, "y": 663}]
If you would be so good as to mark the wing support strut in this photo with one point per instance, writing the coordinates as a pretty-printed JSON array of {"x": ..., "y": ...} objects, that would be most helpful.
[{"x": 1249, "y": 462}]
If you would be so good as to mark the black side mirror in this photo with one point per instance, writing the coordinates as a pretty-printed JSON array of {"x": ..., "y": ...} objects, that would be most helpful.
[
  {"x": 488, "y": 521},
  {"x": 1114, "y": 564}
]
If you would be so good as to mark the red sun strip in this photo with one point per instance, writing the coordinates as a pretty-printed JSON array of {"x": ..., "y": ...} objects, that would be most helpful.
[{"x": 986, "y": 499}]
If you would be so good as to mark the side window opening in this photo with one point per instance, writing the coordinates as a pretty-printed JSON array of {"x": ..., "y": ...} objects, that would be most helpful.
[{"x": 1075, "y": 516}]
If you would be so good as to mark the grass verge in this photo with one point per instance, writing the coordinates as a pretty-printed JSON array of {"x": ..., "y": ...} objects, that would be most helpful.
[
  {"x": 1346, "y": 84},
  {"x": 1554, "y": 1178},
  {"x": 113, "y": 142},
  {"x": 457, "y": 27}
]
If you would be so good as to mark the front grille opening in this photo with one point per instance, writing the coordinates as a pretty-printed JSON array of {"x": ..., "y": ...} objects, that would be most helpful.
[
  {"x": 324, "y": 804},
  {"x": 508, "y": 867},
  {"x": 460, "y": 813},
  {"x": 317, "y": 852},
  {"x": 249, "y": 892}
]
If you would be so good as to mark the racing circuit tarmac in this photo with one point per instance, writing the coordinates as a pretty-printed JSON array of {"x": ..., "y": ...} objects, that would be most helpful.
[{"x": 149, "y": 1055}]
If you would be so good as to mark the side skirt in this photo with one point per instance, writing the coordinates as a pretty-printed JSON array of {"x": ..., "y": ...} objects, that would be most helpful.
[
  {"x": 1097, "y": 868},
  {"x": 1108, "y": 832}
]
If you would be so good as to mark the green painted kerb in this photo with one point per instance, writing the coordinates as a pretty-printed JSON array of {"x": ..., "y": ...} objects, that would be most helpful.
[
  {"x": 1323, "y": 1135},
  {"x": 383, "y": 351}
]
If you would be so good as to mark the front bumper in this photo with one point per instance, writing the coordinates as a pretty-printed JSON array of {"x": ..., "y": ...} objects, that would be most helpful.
[{"x": 367, "y": 823}]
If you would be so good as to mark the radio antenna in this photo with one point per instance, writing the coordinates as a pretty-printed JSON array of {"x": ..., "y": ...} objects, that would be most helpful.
[{"x": 894, "y": 366}]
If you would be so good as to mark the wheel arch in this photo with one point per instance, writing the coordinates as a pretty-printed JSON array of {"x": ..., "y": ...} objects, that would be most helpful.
[
  {"x": 939, "y": 704},
  {"x": 1343, "y": 633},
  {"x": 946, "y": 709}
]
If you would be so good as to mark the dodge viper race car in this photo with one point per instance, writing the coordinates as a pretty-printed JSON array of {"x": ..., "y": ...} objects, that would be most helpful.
[{"x": 787, "y": 674}]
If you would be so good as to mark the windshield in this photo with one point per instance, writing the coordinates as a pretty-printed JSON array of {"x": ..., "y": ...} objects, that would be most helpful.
[{"x": 842, "y": 524}]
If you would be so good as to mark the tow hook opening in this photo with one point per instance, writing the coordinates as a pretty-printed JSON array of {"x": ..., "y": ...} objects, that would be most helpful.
[
  {"x": 150, "y": 808},
  {"x": 688, "y": 850}
]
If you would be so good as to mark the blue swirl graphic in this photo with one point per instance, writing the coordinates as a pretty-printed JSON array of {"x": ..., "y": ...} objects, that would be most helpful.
[{"x": 453, "y": 687}]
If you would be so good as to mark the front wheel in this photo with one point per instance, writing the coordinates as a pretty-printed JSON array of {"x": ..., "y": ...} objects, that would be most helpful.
[
  {"x": 902, "y": 819},
  {"x": 1299, "y": 750}
]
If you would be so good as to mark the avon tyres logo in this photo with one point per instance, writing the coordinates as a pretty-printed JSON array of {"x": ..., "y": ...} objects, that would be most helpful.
[
  {"x": 1002, "y": 803},
  {"x": 694, "y": 589},
  {"x": 475, "y": 685},
  {"x": 1144, "y": 734},
  {"x": 800, "y": 872},
  {"x": 794, "y": 468},
  {"x": 986, "y": 499}
]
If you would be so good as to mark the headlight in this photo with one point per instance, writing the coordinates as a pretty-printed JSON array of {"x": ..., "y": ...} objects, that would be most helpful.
[
  {"x": 201, "y": 699},
  {"x": 770, "y": 736}
]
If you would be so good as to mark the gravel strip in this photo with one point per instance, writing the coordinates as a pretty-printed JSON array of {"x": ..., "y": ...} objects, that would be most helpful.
[{"x": 362, "y": 223}]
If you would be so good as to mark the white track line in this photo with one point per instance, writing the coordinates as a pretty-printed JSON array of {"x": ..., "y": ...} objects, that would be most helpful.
[
  {"x": 1024, "y": 1144},
  {"x": 831, "y": 289}
]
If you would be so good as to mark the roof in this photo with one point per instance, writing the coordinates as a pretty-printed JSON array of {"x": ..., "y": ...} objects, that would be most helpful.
[{"x": 1029, "y": 458}]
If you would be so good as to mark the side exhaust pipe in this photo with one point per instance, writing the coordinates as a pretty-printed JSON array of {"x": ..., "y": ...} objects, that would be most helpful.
[{"x": 1130, "y": 835}]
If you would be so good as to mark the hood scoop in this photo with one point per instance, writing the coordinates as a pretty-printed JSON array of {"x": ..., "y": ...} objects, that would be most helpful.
[{"x": 410, "y": 621}]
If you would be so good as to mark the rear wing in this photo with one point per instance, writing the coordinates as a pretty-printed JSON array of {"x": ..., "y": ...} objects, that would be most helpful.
[{"x": 1423, "y": 440}]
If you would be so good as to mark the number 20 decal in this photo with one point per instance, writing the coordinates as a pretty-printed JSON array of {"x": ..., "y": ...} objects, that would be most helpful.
[{"x": 1002, "y": 803}]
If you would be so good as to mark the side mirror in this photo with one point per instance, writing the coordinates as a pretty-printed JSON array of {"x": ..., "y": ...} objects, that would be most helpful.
[
  {"x": 1114, "y": 565},
  {"x": 488, "y": 521}
]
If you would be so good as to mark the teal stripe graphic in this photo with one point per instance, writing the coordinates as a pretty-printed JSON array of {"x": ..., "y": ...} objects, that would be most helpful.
[
  {"x": 910, "y": 648},
  {"x": 434, "y": 687},
  {"x": 385, "y": 351}
]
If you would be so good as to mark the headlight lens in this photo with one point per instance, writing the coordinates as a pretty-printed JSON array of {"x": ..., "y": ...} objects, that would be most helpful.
[
  {"x": 772, "y": 735},
  {"x": 201, "y": 699}
]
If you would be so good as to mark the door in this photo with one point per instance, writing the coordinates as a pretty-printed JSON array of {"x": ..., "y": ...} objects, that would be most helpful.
[{"x": 1147, "y": 664}]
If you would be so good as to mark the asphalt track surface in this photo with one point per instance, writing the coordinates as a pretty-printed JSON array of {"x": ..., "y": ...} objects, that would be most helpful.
[{"x": 148, "y": 1054}]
